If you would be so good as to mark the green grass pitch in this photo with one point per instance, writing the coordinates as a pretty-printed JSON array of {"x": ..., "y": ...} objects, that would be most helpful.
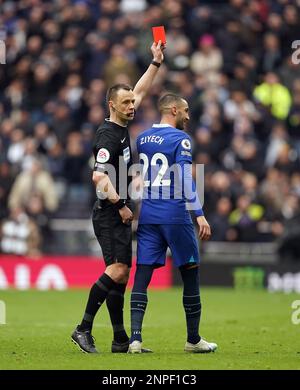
[{"x": 252, "y": 328}]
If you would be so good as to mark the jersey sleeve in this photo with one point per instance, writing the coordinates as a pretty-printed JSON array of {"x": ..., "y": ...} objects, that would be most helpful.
[
  {"x": 105, "y": 149},
  {"x": 183, "y": 152},
  {"x": 183, "y": 157}
]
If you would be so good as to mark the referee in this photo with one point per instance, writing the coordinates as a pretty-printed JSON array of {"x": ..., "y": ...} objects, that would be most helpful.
[{"x": 112, "y": 216}]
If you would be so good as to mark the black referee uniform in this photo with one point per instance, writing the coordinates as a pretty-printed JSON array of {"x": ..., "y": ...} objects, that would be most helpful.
[{"x": 112, "y": 147}]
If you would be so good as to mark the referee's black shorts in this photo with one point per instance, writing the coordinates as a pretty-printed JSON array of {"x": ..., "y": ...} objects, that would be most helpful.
[{"x": 114, "y": 237}]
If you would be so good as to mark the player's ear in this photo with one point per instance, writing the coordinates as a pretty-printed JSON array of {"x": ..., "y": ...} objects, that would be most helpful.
[
  {"x": 111, "y": 105},
  {"x": 174, "y": 110}
]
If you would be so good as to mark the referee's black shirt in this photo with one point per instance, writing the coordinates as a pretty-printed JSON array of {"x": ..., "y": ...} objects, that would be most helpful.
[{"x": 112, "y": 147}]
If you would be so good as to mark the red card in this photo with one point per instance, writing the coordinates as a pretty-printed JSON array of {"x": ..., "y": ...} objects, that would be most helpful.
[{"x": 159, "y": 34}]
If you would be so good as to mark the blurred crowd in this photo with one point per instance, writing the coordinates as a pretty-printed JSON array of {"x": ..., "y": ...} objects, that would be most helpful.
[{"x": 231, "y": 60}]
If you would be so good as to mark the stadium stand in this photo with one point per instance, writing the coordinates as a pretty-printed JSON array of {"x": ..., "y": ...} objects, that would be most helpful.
[{"x": 233, "y": 63}]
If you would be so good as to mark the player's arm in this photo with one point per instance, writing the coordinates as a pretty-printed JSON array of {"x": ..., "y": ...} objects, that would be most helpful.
[
  {"x": 184, "y": 159},
  {"x": 143, "y": 85},
  {"x": 193, "y": 199}
]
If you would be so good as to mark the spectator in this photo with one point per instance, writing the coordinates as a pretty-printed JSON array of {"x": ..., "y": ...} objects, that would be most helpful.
[
  {"x": 119, "y": 64},
  {"x": 74, "y": 166},
  {"x": 289, "y": 72},
  {"x": 290, "y": 27},
  {"x": 295, "y": 183},
  {"x": 33, "y": 181},
  {"x": 245, "y": 217},
  {"x": 207, "y": 61},
  {"x": 294, "y": 117},
  {"x": 278, "y": 140},
  {"x": 273, "y": 190},
  {"x": 56, "y": 160},
  {"x": 6, "y": 181},
  {"x": 62, "y": 56},
  {"x": 16, "y": 149},
  {"x": 274, "y": 96},
  {"x": 178, "y": 56},
  {"x": 20, "y": 235},
  {"x": 250, "y": 185},
  {"x": 44, "y": 139},
  {"x": 230, "y": 39},
  {"x": 219, "y": 220},
  {"x": 36, "y": 212},
  {"x": 98, "y": 47},
  {"x": 271, "y": 56},
  {"x": 290, "y": 207},
  {"x": 238, "y": 105},
  {"x": 286, "y": 160},
  {"x": 61, "y": 121}
]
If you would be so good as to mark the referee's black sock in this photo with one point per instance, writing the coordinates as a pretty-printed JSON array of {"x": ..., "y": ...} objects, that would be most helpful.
[
  {"x": 98, "y": 294},
  {"x": 115, "y": 306},
  {"x": 191, "y": 302}
]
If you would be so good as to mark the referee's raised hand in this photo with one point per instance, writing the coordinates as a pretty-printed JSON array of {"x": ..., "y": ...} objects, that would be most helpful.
[
  {"x": 126, "y": 215},
  {"x": 157, "y": 51}
]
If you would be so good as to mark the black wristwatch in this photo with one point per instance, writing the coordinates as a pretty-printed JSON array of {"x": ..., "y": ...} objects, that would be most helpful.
[
  {"x": 120, "y": 204},
  {"x": 155, "y": 63}
]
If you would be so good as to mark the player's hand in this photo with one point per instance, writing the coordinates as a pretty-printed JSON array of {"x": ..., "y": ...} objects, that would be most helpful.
[
  {"x": 204, "y": 228},
  {"x": 126, "y": 215},
  {"x": 157, "y": 51}
]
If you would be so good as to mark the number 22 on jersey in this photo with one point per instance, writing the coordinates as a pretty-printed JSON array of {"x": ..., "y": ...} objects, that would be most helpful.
[{"x": 164, "y": 166}]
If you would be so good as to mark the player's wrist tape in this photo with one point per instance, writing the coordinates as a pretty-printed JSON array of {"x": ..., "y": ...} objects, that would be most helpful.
[
  {"x": 120, "y": 204},
  {"x": 155, "y": 63}
]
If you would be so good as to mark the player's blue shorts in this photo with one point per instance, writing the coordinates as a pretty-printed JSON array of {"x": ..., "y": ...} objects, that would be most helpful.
[{"x": 153, "y": 241}]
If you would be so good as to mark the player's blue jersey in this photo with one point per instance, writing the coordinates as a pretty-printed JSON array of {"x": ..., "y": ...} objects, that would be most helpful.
[{"x": 163, "y": 150}]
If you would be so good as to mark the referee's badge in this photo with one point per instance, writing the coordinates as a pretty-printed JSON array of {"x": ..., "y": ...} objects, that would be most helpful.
[
  {"x": 126, "y": 154},
  {"x": 103, "y": 155}
]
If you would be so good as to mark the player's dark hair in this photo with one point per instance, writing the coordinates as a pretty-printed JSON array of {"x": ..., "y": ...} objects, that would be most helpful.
[
  {"x": 167, "y": 100},
  {"x": 112, "y": 91}
]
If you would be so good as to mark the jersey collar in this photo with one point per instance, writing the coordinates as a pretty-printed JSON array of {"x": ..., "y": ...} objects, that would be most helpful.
[
  {"x": 114, "y": 123},
  {"x": 158, "y": 125}
]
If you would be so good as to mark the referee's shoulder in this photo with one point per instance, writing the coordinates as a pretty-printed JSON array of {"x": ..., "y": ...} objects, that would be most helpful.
[{"x": 105, "y": 129}]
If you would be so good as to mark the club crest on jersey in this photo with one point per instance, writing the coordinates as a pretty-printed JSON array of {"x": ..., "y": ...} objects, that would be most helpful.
[
  {"x": 186, "y": 144},
  {"x": 103, "y": 155}
]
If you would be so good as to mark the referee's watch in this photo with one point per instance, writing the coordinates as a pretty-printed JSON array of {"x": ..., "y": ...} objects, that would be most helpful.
[
  {"x": 155, "y": 63},
  {"x": 120, "y": 204}
]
